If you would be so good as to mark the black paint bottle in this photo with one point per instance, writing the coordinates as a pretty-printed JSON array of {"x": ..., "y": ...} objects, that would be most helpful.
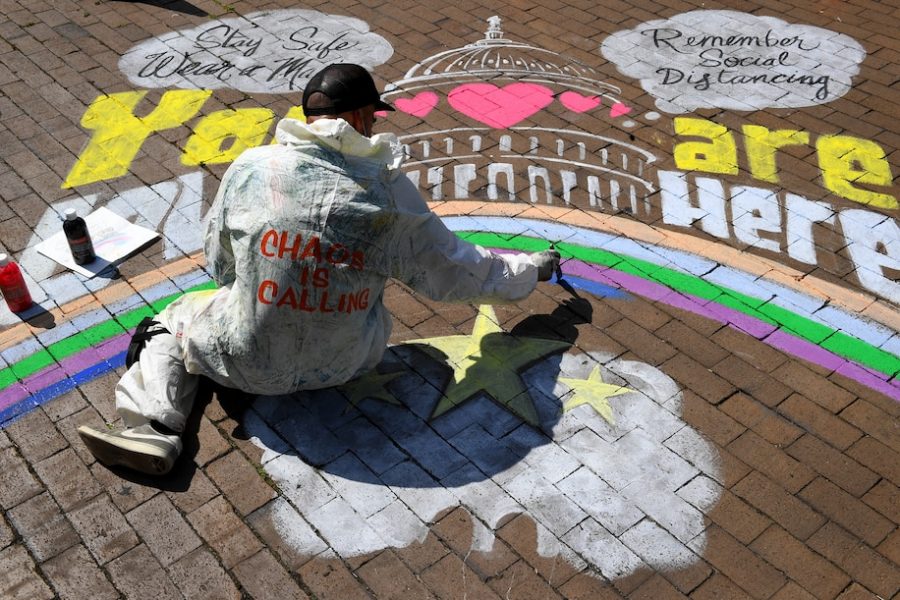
[{"x": 78, "y": 237}]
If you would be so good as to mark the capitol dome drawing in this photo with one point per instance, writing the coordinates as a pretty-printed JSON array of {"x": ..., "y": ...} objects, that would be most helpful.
[
  {"x": 497, "y": 57},
  {"x": 513, "y": 159}
]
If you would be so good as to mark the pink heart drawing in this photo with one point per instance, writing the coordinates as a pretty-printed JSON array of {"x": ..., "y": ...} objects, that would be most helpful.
[
  {"x": 578, "y": 103},
  {"x": 618, "y": 109},
  {"x": 500, "y": 107},
  {"x": 419, "y": 105}
]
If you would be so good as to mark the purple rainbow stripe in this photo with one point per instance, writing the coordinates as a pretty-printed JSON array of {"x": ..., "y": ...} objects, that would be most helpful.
[
  {"x": 722, "y": 314},
  {"x": 840, "y": 365}
]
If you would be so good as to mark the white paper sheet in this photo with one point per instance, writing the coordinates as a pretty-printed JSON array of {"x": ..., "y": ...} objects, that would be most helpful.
[{"x": 114, "y": 237}]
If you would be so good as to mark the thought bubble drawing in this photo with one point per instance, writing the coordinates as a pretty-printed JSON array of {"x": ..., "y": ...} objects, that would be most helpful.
[
  {"x": 610, "y": 473},
  {"x": 274, "y": 52},
  {"x": 735, "y": 60}
]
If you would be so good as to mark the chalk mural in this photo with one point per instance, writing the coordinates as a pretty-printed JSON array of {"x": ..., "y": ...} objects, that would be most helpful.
[
  {"x": 735, "y": 60},
  {"x": 500, "y": 157},
  {"x": 500, "y": 84},
  {"x": 602, "y": 174},
  {"x": 593, "y": 448},
  {"x": 601, "y": 470},
  {"x": 273, "y": 51}
]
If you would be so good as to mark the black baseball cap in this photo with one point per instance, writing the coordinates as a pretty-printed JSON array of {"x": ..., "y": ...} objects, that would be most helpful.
[{"x": 347, "y": 86}]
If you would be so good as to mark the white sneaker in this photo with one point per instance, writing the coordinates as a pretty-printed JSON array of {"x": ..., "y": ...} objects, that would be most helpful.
[{"x": 140, "y": 448}]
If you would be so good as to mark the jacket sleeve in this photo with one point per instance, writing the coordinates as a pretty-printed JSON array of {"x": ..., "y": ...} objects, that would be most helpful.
[{"x": 432, "y": 260}]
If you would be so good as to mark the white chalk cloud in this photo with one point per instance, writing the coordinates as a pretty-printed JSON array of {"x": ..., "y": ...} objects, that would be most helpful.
[
  {"x": 610, "y": 493},
  {"x": 274, "y": 51},
  {"x": 735, "y": 60}
]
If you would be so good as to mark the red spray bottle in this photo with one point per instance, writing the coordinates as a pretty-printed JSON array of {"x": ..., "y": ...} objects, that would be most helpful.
[{"x": 12, "y": 285}]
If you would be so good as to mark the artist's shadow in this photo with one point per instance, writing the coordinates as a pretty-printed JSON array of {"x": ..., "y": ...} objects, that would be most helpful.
[
  {"x": 175, "y": 5},
  {"x": 396, "y": 440}
]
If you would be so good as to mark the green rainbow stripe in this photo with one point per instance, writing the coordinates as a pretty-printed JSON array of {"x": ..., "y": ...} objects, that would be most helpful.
[
  {"x": 831, "y": 339},
  {"x": 87, "y": 338}
]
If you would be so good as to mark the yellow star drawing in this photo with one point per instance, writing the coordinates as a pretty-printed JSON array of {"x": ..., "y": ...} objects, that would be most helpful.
[
  {"x": 593, "y": 391},
  {"x": 371, "y": 385},
  {"x": 489, "y": 361}
]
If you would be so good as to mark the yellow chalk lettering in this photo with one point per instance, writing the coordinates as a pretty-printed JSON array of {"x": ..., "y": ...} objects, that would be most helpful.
[
  {"x": 718, "y": 155},
  {"x": 763, "y": 143},
  {"x": 846, "y": 161},
  {"x": 243, "y": 128},
  {"x": 118, "y": 134},
  {"x": 295, "y": 112}
]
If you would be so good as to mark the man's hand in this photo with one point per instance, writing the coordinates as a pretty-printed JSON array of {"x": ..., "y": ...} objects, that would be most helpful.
[{"x": 547, "y": 262}]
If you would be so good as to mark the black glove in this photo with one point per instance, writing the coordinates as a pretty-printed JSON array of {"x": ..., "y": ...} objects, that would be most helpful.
[{"x": 547, "y": 262}]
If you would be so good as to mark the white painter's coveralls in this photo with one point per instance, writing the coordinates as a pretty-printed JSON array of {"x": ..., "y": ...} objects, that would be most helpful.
[{"x": 302, "y": 237}]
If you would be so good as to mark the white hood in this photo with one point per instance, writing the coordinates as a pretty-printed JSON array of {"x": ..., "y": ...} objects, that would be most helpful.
[{"x": 339, "y": 135}]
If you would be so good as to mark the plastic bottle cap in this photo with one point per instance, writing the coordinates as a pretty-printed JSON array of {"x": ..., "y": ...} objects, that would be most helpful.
[
  {"x": 4, "y": 259},
  {"x": 71, "y": 214}
]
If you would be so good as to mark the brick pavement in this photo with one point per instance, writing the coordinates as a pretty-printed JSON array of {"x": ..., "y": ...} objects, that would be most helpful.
[{"x": 712, "y": 413}]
